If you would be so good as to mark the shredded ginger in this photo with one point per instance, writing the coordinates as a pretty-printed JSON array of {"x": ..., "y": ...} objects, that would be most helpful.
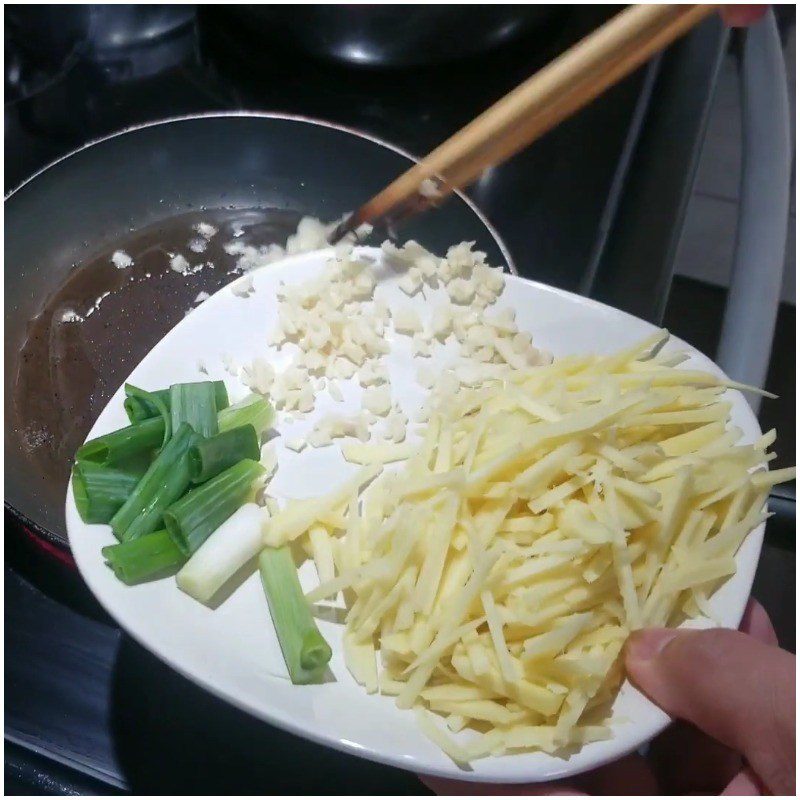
[{"x": 491, "y": 579}]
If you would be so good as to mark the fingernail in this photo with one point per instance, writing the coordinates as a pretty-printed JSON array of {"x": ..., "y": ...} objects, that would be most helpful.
[{"x": 646, "y": 645}]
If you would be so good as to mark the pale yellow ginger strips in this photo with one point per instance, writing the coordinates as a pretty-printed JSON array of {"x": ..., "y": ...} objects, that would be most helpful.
[
  {"x": 545, "y": 469},
  {"x": 689, "y": 442},
  {"x": 555, "y": 641},
  {"x": 365, "y": 625},
  {"x": 584, "y": 421},
  {"x": 598, "y": 565},
  {"x": 456, "y": 723},
  {"x": 438, "y": 543},
  {"x": 360, "y": 453},
  {"x": 446, "y": 743},
  {"x": 457, "y": 692},
  {"x": 421, "y": 669},
  {"x": 540, "y": 519},
  {"x": 577, "y": 521},
  {"x": 322, "y": 553},
  {"x": 429, "y": 484},
  {"x": 488, "y": 520},
  {"x": 695, "y": 574},
  {"x": 766, "y": 480},
  {"x": 538, "y": 525},
  {"x": 495, "y": 623},
  {"x": 359, "y": 659},
  {"x": 444, "y": 451},
  {"x": 293, "y": 521},
  {"x": 536, "y": 408},
  {"x": 724, "y": 491},
  {"x": 729, "y": 539},
  {"x": 558, "y": 494},
  {"x": 483, "y": 710},
  {"x": 452, "y": 617},
  {"x": 714, "y": 413},
  {"x": 536, "y": 698}
]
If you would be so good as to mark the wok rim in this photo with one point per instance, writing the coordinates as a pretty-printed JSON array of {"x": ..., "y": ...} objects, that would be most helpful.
[{"x": 279, "y": 116}]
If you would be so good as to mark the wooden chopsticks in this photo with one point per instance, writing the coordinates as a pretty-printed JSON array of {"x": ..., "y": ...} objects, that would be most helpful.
[{"x": 557, "y": 91}]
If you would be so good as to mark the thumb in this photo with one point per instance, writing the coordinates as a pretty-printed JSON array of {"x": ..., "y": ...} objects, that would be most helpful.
[{"x": 731, "y": 686}]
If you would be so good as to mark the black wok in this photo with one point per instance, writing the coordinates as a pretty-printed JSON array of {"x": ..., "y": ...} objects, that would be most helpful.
[{"x": 140, "y": 191}]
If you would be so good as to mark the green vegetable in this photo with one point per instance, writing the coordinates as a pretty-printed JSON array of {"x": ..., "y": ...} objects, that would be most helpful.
[
  {"x": 100, "y": 490},
  {"x": 212, "y": 456},
  {"x": 151, "y": 556},
  {"x": 124, "y": 445},
  {"x": 194, "y": 403},
  {"x": 193, "y": 518},
  {"x": 139, "y": 408},
  {"x": 161, "y": 407},
  {"x": 223, "y": 554},
  {"x": 305, "y": 651},
  {"x": 253, "y": 410},
  {"x": 166, "y": 479},
  {"x": 119, "y": 447}
]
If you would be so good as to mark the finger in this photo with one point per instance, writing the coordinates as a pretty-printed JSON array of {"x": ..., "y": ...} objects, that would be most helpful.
[
  {"x": 756, "y": 623},
  {"x": 744, "y": 784},
  {"x": 736, "y": 689},
  {"x": 742, "y": 16},
  {"x": 687, "y": 761}
]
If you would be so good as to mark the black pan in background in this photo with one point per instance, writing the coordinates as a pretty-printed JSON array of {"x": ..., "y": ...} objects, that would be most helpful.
[
  {"x": 383, "y": 36},
  {"x": 140, "y": 191}
]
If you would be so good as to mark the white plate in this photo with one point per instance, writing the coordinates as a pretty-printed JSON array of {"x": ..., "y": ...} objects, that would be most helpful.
[{"x": 232, "y": 651}]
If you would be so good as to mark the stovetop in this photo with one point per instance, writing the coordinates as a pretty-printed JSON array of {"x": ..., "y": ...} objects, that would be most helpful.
[{"x": 596, "y": 206}]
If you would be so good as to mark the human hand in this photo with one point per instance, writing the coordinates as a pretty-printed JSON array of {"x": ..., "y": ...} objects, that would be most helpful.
[{"x": 733, "y": 694}]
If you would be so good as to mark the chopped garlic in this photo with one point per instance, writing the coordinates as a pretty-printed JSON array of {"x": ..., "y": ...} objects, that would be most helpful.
[
  {"x": 420, "y": 346},
  {"x": 206, "y": 230},
  {"x": 378, "y": 400},
  {"x": 295, "y": 444},
  {"x": 373, "y": 373},
  {"x": 396, "y": 424},
  {"x": 335, "y": 392},
  {"x": 442, "y": 322},
  {"x": 243, "y": 287},
  {"x": 121, "y": 260},
  {"x": 429, "y": 188},
  {"x": 178, "y": 263},
  {"x": 411, "y": 282},
  {"x": 426, "y": 376},
  {"x": 461, "y": 290},
  {"x": 319, "y": 438},
  {"x": 269, "y": 459},
  {"x": 71, "y": 316},
  {"x": 406, "y": 320}
]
